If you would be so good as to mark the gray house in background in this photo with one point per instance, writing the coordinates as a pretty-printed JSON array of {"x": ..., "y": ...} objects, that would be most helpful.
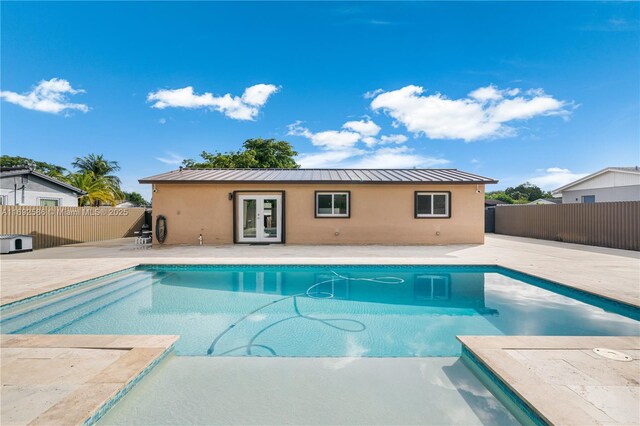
[
  {"x": 610, "y": 184},
  {"x": 21, "y": 186}
]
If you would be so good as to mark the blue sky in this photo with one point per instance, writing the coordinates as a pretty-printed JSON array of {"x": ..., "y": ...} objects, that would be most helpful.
[{"x": 544, "y": 92}]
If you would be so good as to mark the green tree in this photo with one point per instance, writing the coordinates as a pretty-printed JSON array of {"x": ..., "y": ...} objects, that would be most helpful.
[
  {"x": 100, "y": 189},
  {"x": 136, "y": 199},
  {"x": 49, "y": 169},
  {"x": 499, "y": 195},
  {"x": 257, "y": 154},
  {"x": 99, "y": 166},
  {"x": 526, "y": 192}
]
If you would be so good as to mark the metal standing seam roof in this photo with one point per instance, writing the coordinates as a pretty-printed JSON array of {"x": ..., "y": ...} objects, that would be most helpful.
[{"x": 318, "y": 176}]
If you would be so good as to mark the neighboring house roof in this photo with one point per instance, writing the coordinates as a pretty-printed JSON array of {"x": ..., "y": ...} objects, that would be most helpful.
[
  {"x": 125, "y": 204},
  {"x": 631, "y": 170},
  {"x": 319, "y": 176},
  {"x": 547, "y": 201},
  {"x": 20, "y": 171}
]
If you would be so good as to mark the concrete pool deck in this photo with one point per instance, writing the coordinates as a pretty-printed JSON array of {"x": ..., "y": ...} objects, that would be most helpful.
[
  {"x": 60, "y": 379},
  {"x": 610, "y": 273},
  {"x": 563, "y": 379},
  {"x": 607, "y": 272}
]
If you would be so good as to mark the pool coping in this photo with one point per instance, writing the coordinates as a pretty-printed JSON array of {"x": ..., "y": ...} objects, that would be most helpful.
[
  {"x": 100, "y": 390},
  {"x": 548, "y": 402}
]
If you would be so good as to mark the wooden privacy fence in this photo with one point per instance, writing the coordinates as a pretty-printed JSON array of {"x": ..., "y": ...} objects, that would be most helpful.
[
  {"x": 614, "y": 225},
  {"x": 56, "y": 226}
]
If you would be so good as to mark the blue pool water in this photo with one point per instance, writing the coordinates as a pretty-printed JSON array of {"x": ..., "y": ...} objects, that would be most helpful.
[{"x": 299, "y": 311}]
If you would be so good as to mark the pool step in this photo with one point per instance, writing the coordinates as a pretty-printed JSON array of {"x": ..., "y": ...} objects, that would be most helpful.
[{"x": 74, "y": 307}]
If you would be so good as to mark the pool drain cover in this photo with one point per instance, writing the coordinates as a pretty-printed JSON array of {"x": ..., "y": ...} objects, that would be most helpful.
[{"x": 612, "y": 354}]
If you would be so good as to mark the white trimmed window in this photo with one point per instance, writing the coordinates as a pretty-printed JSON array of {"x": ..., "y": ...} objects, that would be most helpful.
[
  {"x": 49, "y": 202},
  {"x": 333, "y": 204},
  {"x": 433, "y": 204}
]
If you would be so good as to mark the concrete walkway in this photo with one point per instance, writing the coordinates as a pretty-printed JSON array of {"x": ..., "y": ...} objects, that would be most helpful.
[{"x": 608, "y": 272}]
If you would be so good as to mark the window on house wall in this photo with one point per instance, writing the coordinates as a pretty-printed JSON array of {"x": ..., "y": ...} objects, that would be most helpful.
[
  {"x": 2, "y": 200},
  {"x": 333, "y": 204},
  {"x": 588, "y": 198},
  {"x": 433, "y": 204},
  {"x": 49, "y": 202}
]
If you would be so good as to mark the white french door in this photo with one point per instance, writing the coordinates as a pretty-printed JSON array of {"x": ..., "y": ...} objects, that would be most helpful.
[{"x": 259, "y": 218}]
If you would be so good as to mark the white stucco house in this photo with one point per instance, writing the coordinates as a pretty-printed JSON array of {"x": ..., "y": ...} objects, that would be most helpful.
[
  {"x": 21, "y": 186},
  {"x": 610, "y": 184}
]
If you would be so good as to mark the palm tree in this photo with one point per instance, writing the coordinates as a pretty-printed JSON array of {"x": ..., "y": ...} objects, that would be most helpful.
[
  {"x": 99, "y": 166},
  {"x": 100, "y": 189}
]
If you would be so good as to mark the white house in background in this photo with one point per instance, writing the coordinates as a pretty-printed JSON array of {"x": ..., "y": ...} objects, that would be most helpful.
[
  {"x": 21, "y": 186},
  {"x": 610, "y": 184},
  {"x": 547, "y": 201}
]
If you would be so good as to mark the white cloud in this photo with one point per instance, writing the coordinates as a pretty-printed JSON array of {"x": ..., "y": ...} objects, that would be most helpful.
[
  {"x": 245, "y": 107},
  {"x": 481, "y": 115},
  {"x": 394, "y": 158},
  {"x": 162, "y": 121},
  {"x": 484, "y": 94},
  {"x": 328, "y": 139},
  {"x": 555, "y": 177},
  {"x": 352, "y": 132},
  {"x": 327, "y": 158},
  {"x": 364, "y": 127},
  {"x": 50, "y": 96},
  {"x": 372, "y": 94},
  {"x": 171, "y": 158},
  {"x": 393, "y": 139},
  {"x": 340, "y": 148}
]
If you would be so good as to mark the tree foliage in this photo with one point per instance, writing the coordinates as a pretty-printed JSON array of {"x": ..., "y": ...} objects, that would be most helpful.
[
  {"x": 49, "y": 169},
  {"x": 96, "y": 175},
  {"x": 526, "y": 192},
  {"x": 499, "y": 195},
  {"x": 100, "y": 190},
  {"x": 136, "y": 199},
  {"x": 521, "y": 194},
  {"x": 256, "y": 154},
  {"x": 99, "y": 166}
]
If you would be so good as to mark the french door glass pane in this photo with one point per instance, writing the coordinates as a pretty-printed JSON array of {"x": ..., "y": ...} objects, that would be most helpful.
[
  {"x": 249, "y": 218},
  {"x": 439, "y": 204},
  {"x": 324, "y": 203},
  {"x": 340, "y": 204},
  {"x": 424, "y": 204},
  {"x": 270, "y": 218}
]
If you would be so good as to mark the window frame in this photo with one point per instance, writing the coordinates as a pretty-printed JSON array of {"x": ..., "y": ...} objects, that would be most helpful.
[
  {"x": 589, "y": 197},
  {"x": 417, "y": 215},
  {"x": 331, "y": 215},
  {"x": 58, "y": 200}
]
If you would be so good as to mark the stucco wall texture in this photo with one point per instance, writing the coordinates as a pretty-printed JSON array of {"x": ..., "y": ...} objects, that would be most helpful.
[{"x": 380, "y": 214}]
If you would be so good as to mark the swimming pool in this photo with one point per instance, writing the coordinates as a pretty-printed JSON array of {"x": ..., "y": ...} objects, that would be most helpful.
[{"x": 320, "y": 311}]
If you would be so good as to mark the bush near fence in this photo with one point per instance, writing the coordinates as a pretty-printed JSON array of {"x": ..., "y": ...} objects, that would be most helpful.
[
  {"x": 55, "y": 226},
  {"x": 615, "y": 224}
]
